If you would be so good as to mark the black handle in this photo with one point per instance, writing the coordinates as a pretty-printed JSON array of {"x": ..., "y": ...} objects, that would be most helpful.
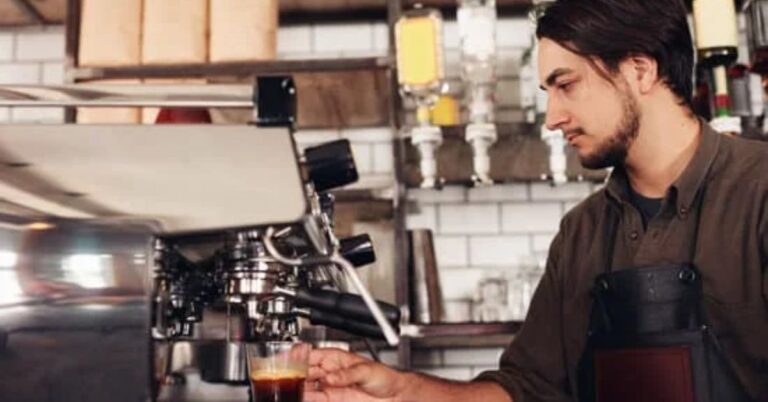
[
  {"x": 344, "y": 304},
  {"x": 275, "y": 100},
  {"x": 331, "y": 165},
  {"x": 319, "y": 317},
  {"x": 358, "y": 250}
]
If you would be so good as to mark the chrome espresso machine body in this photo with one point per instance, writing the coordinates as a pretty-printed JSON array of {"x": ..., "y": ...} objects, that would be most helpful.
[{"x": 143, "y": 270}]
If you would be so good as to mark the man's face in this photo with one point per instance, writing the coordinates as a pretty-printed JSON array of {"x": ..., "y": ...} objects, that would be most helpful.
[{"x": 600, "y": 119}]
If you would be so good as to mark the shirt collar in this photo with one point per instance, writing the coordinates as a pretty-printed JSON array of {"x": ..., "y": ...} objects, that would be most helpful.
[{"x": 690, "y": 181}]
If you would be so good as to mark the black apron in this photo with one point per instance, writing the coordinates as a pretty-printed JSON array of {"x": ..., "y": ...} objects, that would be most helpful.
[{"x": 649, "y": 339}]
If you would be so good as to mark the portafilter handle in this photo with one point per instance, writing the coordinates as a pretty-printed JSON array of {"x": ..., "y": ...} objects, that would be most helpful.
[
  {"x": 342, "y": 304},
  {"x": 389, "y": 332}
]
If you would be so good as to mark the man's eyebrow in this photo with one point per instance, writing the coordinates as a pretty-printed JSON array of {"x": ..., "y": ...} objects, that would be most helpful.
[{"x": 554, "y": 75}]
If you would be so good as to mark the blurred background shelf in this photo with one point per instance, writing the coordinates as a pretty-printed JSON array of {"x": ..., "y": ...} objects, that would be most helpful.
[
  {"x": 44, "y": 12},
  {"x": 519, "y": 155},
  {"x": 48, "y": 12}
]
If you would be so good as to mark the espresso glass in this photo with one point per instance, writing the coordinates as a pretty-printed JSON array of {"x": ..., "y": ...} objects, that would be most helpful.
[{"x": 277, "y": 370}]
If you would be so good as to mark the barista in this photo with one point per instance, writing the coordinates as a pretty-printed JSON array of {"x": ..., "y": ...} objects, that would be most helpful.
[{"x": 656, "y": 286}]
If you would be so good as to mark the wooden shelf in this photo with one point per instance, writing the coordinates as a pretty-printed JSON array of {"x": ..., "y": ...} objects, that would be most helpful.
[
  {"x": 462, "y": 329},
  {"x": 273, "y": 67},
  {"x": 460, "y": 335},
  {"x": 448, "y": 342}
]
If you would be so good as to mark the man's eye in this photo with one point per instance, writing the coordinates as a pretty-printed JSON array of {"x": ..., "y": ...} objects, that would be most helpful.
[{"x": 565, "y": 86}]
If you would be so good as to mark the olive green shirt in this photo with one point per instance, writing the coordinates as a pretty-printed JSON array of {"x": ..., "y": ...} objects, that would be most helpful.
[{"x": 732, "y": 255}]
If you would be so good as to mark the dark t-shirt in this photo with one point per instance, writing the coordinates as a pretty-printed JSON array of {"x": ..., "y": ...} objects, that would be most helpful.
[
  {"x": 731, "y": 254},
  {"x": 648, "y": 207}
]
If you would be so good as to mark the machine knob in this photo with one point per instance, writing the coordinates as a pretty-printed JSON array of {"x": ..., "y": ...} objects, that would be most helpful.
[
  {"x": 331, "y": 165},
  {"x": 358, "y": 250}
]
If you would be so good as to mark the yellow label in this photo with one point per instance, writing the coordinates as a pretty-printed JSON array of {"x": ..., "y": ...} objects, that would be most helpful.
[{"x": 418, "y": 51}]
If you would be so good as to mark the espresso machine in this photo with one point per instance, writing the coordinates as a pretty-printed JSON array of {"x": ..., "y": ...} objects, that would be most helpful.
[{"x": 147, "y": 257}]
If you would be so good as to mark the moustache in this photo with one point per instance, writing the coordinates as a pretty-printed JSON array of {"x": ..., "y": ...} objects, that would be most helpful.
[{"x": 573, "y": 132}]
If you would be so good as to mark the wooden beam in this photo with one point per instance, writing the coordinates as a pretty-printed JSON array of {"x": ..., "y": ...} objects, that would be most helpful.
[
  {"x": 11, "y": 15},
  {"x": 342, "y": 99},
  {"x": 30, "y": 11}
]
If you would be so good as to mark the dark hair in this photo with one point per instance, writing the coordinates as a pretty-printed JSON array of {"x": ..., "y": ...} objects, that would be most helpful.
[{"x": 612, "y": 30}]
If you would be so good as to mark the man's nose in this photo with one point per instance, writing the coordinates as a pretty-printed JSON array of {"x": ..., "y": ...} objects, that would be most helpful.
[{"x": 556, "y": 115}]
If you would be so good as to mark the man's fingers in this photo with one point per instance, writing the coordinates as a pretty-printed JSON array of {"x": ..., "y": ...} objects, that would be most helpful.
[
  {"x": 316, "y": 373},
  {"x": 317, "y": 356},
  {"x": 316, "y": 396},
  {"x": 333, "y": 359},
  {"x": 339, "y": 395},
  {"x": 352, "y": 376}
]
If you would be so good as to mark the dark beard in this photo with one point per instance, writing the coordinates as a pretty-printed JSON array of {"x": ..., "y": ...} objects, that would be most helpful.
[{"x": 613, "y": 151}]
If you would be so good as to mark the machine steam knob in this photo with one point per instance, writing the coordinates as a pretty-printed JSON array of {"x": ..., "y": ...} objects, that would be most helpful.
[
  {"x": 358, "y": 250},
  {"x": 330, "y": 165}
]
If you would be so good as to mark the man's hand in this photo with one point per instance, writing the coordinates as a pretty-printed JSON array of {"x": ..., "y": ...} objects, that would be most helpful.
[{"x": 346, "y": 377}]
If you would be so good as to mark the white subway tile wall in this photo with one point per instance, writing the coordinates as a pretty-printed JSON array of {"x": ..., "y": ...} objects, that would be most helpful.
[
  {"x": 475, "y": 218},
  {"x": 499, "y": 251},
  {"x": 20, "y": 73},
  {"x": 294, "y": 41},
  {"x": 6, "y": 46},
  {"x": 421, "y": 216},
  {"x": 531, "y": 217},
  {"x": 381, "y": 38},
  {"x": 383, "y": 157},
  {"x": 40, "y": 45},
  {"x": 343, "y": 39},
  {"x": 461, "y": 282},
  {"x": 514, "y": 192},
  {"x": 363, "y": 156},
  {"x": 53, "y": 73},
  {"x": 309, "y": 138},
  {"x": 514, "y": 33},
  {"x": 573, "y": 192},
  {"x": 478, "y": 232},
  {"x": 32, "y": 56},
  {"x": 541, "y": 242},
  {"x": 49, "y": 115},
  {"x": 451, "y": 251}
]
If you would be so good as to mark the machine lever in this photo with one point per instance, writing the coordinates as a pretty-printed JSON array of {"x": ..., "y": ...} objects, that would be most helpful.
[{"x": 344, "y": 304}]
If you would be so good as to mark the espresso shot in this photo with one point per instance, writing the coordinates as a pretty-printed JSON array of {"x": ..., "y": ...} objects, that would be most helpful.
[{"x": 287, "y": 386}]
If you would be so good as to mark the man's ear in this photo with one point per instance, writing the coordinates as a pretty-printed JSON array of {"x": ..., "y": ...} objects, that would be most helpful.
[{"x": 642, "y": 71}]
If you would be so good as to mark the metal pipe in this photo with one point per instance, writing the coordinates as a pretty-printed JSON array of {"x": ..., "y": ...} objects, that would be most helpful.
[{"x": 101, "y": 95}]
